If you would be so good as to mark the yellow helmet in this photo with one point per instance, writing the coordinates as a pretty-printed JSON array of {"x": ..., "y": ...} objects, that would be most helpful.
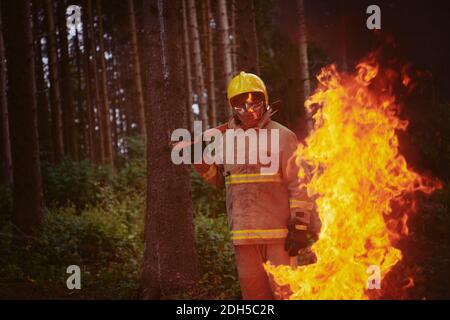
[{"x": 245, "y": 83}]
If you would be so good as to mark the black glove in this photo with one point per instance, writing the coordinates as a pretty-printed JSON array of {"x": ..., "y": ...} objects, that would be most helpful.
[{"x": 297, "y": 237}]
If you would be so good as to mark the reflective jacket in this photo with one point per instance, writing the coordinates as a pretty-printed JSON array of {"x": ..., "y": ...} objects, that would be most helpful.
[{"x": 260, "y": 205}]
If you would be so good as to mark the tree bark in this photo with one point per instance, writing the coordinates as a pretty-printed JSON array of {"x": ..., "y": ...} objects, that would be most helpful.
[
  {"x": 55, "y": 94},
  {"x": 170, "y": 262},
  {"x": 224, "y": 49},
  {"x": 28, "y": 211},
  {"x": 104, "y": 106},
  {"x": 247, "y": 40},
  {"x": 198, "y": 63},
  {"x": 67, "y": 100},
  {"x": 304, "y": 63},
  {"x": 137, "y": 78},
  {"x": 188, "y": 69},
  {"x": 6, "y": 174}
]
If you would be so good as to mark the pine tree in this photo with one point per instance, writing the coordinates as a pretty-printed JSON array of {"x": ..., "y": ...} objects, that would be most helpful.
[
  {"x": 198, "y": 63},
  {"x": 137, "y": 78},
  {"x": 224, "y": 50},
  {"x": 304, "y": 64},
  {"x": 55, "y": 93},
  {"x": 43, "y": 106},
  {"x": 170, "y": 263},
  {"x": 104, "y": 105},
  {"x": 6, "y": 174},
  {"x": 188, "y": 67},
  {"x": 67, "y": 99},
  {"x": 247, "y": 40},
  {"x": 100, "y": 152},
  {"x": 28, "y": 210}
]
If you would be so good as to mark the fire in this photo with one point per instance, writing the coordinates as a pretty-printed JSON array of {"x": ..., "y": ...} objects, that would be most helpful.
[{"x": 358, "y": 174}]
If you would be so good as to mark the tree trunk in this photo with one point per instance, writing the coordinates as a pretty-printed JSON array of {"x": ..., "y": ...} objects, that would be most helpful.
[
  {"x": 210, "y": 69},
  {"x": 188, "y": 70},
  {"x": 67, "y": 100},
  {"x": 122, "y": 63},
  {"x": 198, "y": 64},
  {"x": 110, "y": 70},
  {"x": 116, "y": 103},
  {"x": 170, "y": 261},
  {"x": 94, "y": 154},
  {"x": 83, "y": 138},
  {"x": 104, "y": 107},
  {"x": 234, "y": 47},
  {"x": 100, "y": 150},
  {"x": 28, "y": 211},
  {"x": 247, "y": 40},
  {"x": 137, "y": 78},
  {"x": 224, "y": 49},
  {"x": 125, "y": 79},
  {"x": 121, "y": 101},
  {"x": 6, "y": 174},
  {"x": 304, "y": 66},
  {"x": 55, "y": 95},
  {"x": 44, "y": 114}
]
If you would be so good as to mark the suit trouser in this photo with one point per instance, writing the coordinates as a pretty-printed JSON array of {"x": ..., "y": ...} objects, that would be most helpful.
[{"x": 255, "y": 283}]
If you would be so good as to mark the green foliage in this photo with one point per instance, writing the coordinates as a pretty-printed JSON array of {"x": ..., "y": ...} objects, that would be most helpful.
[
  {"x": 81, "y": 184},
  {"x": 94, "y": 219},
  {"x": 135, "y": 151},
  {"x": 216, "y": 255},
  {"x": 207, "y": 200},
  {"x": 105, "y": 240},
  {"x": 74, "y": 183}
]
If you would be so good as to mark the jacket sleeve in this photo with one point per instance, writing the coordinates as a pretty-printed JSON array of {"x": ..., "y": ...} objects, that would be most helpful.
[
  {"x": 296, "y": 175},
  {"x": 211, "y": 174}
]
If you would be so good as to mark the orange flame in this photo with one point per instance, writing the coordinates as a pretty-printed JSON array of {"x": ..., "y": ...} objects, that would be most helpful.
[{"x": 357, "y": 174}]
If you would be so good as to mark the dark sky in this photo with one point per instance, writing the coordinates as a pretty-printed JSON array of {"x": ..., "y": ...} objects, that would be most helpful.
[{"x": 420, "y": 29}]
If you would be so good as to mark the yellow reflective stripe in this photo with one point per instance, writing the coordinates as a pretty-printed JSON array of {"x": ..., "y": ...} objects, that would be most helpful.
[
  {"x": 252, "y": 178},
  {"x": 301, "y": 227},
  {"x": 306, "y": 205},
  {"x": 255, "y": 237},
  {"x": 258, "y": 230},
  {"x": 258, "y": 234},
  {"x": 237, "y": 175},
  {"x": 212, "y": 171},
  {"x": 250, "y": 181}
]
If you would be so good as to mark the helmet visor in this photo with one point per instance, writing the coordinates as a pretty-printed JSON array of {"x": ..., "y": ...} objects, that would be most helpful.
[{"x": 247, "y": 102}]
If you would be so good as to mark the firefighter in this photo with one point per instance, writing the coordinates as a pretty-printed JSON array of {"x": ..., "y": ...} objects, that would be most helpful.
[{"x": 268, "y": 214}]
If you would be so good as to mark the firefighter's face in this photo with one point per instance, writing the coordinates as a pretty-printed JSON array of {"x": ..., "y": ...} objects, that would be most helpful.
[{"x": 249, "y": 107}]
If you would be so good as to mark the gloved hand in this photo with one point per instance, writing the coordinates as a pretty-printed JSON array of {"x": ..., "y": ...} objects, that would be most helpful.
[{"x": 297, "y": 237}]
